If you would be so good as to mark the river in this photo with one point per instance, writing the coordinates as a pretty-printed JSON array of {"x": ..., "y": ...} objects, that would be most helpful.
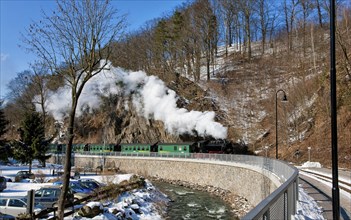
[{"x": 193, "y": 204}]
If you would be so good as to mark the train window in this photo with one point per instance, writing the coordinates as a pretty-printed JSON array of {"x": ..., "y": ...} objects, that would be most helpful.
[
  {"x": 184, "y": 148},
  {"x": 142, "y": 148},
  {"x": 138, "y": 148},
  {"x": 160, "y": 148},
  {"x": 175, "y": 148}
]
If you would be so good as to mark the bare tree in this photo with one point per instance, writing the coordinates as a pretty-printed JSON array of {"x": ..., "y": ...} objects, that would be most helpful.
[
  {"x": 75, "y": 43},
  {"x": 307, "y": 7},
  {"x": 289, "y": 17},
  {"x": 206, "y": 26},
  {"x": 319, "y": 11},
  {"x": 18, "y": 90},
  {"x": 229, "y": 12},
  {"x": 267, "y": 16},
  {"x": 247, "y": 7},
  {"x": 39, "y": 87}
]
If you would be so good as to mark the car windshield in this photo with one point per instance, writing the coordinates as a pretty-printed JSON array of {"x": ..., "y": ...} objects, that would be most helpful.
[
  {"x": 38, "y": 193},
  {"x": 89, "y": 184},
  {"x": 76, "y": 187},
  {"x": 17, "y": 203},
  {"x": 49, "y": 193}
]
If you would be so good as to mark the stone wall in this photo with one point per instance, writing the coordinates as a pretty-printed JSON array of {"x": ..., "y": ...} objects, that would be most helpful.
[{"x": 252, "y": 182}]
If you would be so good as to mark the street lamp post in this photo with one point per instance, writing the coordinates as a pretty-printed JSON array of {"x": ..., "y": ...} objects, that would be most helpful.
[
  {"x": 309, "y": 153},
  {"x": 276, "y": 119},
  {"x": 333, "y": 114}
]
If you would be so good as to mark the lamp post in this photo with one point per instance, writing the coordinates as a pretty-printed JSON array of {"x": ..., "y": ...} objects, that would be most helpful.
[
  {"x": 309, "y": 153},
  {"x": 276, "y": 119},
  {"x": 334, "y": 121},
  {"x": 266, "y": 148}
]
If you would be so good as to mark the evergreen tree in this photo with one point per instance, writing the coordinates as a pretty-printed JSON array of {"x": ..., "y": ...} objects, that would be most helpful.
[
  {"x": 3, "y": 125},
  {"x": 32, "y": 144}
]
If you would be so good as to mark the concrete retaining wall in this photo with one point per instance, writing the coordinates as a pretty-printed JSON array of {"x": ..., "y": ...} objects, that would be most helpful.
[{"x": 252, "y": 182}]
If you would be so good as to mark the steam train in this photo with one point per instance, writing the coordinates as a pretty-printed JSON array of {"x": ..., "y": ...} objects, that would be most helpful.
[{"x": 206, "y": 146}]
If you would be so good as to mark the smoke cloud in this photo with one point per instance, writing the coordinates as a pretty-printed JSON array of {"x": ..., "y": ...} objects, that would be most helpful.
[{"x": 150, "y": 96}]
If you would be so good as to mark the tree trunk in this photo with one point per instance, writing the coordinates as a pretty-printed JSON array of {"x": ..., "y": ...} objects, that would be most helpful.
[
  {"x": 30, "y": 166},
  {"x": 67, "y": 167}
]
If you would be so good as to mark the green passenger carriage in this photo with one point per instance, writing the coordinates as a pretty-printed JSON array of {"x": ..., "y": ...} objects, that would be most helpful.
[
  {"x": 136, "y": 148},
  {"x": 176, "y": 149}
]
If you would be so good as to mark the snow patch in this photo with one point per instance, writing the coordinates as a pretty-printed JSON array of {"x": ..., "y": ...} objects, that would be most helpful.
[{"x": 311, "y": 164}]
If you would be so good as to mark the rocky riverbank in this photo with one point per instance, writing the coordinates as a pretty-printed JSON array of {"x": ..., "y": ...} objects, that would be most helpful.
[{"x": 239, "y": 205}]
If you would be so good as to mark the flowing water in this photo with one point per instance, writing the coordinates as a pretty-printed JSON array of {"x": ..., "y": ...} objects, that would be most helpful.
[{"x": 193, "y": 204}]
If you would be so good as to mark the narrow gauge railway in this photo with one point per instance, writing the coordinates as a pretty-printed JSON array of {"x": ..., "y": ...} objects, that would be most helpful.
[
  {"x": 186, "y": 148},
  {"x": 343, "y": 185},
  {"x": 318, "y": 184}
]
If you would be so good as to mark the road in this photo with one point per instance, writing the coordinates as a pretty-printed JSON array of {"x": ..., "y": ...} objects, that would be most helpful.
[{"x": 317, "y": 182}]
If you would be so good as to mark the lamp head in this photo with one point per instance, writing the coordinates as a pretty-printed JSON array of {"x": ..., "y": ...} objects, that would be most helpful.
[{"x": 285, "y": 99}]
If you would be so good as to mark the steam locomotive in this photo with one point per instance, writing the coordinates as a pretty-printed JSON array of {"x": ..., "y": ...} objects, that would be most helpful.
[{"x": 205, "y": 146}]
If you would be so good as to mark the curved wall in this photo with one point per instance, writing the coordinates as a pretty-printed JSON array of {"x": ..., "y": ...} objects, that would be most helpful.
[{"x": 252, "y": 182}]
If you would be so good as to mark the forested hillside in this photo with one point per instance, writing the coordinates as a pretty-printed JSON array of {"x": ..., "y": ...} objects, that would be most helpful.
[{"x": 226, "y": 56}]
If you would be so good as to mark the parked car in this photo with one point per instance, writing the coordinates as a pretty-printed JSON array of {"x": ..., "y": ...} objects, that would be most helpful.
[
  {"x": 75, "y": 186},
  {"x": 6, "y": 217},
  {"x": 90, "y": 183},
  {"x": 24, "y": 174},
  {"x": 48, "y": 196},
  {"x": 15, "y": 206},
  {"x": 3, "y": 183}
]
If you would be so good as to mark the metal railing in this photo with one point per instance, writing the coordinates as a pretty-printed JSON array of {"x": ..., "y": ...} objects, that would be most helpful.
[{"x": 280, "y": 204}]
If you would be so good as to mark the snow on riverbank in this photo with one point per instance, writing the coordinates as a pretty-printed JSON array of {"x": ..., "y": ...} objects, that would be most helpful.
[{"x": 147, "y": 203}]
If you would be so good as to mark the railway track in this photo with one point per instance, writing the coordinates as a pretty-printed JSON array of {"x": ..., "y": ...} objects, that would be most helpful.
[
  {"x": 343, "y": 185},
  {"x": 319, "y": 185}
]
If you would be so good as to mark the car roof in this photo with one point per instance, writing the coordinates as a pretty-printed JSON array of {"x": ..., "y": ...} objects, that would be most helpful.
[
  {"x": 14, "y": 197},
  {"x": 51, "y": 187}
]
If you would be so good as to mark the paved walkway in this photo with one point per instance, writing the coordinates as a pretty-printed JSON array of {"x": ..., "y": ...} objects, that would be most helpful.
[{"x": 323, "y": 196}]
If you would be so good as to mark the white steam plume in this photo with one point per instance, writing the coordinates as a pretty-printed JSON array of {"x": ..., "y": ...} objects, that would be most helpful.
[{"x": 151, "y": 98}]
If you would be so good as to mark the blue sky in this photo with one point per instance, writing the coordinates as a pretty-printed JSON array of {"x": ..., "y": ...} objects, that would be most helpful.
[{"x": 17, "y": 15}]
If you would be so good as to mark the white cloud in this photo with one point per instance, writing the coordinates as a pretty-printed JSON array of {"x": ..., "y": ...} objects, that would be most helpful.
[{"x": 3, "y": 57}]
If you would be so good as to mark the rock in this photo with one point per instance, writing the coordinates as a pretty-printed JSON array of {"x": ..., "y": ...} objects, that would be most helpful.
[
  {"x": 130, "y": 214},
  {"x": 135, "y": 208},
  {"x": 90, "y": 212}
]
